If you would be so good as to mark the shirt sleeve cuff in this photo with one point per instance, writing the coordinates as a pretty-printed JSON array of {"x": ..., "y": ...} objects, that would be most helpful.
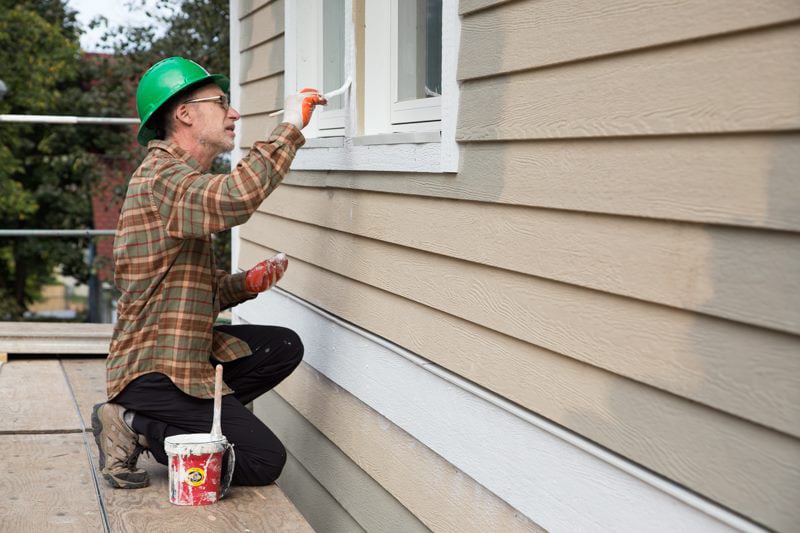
[
  {"x": 238, "y": 287},
  {"x": 286, "y": 133}
]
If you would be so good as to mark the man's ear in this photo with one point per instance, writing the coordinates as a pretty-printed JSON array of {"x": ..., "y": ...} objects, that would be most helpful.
[{"x": 183, "y": 115}]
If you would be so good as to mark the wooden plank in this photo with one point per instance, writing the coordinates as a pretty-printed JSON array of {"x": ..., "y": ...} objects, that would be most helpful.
[
  {"x": 54, "y": 338},
  {"x": 747, "y": 276},
  {"x": 743, "y": 180},
  {"x": 87, "y": 378},
  {"x": 245, "y": 509},
  {"x": 531, "y": 34},
  {"x": 257, "y": 128},
  {"x": 358, "y": 494},
  {"x": 47, "y": 484},
  {"x": 261, "y": 26},
  {"x": 746, "y": 82},
  {"x": 726, "y": 458},
  {"x": 262, "y": 61},
  {"x": 663, "y": 347},
  {"x": 34, "y": 398},
  {"x": 443, "y": 498},
  {"x": 262, "y": 96}
]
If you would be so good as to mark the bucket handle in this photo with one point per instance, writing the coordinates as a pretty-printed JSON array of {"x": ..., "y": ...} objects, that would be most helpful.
[{"x": 231, "y": 463}]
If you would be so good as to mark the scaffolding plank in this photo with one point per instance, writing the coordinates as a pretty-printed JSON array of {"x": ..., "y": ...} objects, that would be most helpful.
[
  {"x": 54, "y": 338},
  {"x": 244, "y": 509},
  {"x": 34, "y": 398},
  {"x": 87, "y": 377},
  {"x": 47, "y": 485}
]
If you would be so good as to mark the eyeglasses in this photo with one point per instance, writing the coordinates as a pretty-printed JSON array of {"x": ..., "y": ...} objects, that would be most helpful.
[{"x": 222, "y": 100}]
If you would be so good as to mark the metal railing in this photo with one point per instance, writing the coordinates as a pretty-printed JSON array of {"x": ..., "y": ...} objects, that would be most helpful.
[
  {"x": 56, "y": 232},
  {"x": 59, "y": 119}
]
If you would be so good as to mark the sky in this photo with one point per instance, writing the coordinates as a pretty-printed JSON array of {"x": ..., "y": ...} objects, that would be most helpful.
[{"x": 114, "y": 10}]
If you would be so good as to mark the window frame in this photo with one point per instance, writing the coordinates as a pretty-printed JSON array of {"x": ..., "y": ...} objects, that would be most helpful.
[
  {"x": 369, "y": 140},
  {"x": 416, "y": 111}
]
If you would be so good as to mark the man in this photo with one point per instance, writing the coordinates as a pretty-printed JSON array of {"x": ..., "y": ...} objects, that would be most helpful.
[{"x": 160, "y": 374}]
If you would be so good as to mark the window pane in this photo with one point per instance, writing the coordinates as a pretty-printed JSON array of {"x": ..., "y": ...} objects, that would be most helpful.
[
  {"x": 333, "y": 50},
  {"x": 419, "y": 49}
]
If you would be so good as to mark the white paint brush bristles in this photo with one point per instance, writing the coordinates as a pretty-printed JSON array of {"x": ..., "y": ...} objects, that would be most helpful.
[{"x": 328, "y": 96}]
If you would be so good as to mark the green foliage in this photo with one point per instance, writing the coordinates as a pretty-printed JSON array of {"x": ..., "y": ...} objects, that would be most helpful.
[
  {"x": 45, "y": 171},
  {"x": 49, "y": 172}
]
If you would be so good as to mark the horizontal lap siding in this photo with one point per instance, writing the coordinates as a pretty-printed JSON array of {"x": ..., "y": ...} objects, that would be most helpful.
[
  {"x": 442, "y": 498},
  {"x": 626, "y": 267},
  {"x": 535, "y": 33},
  {"x": 657, "y": 261},
  {"x": 744, "y": 465},
  {"x": 666, "y": 348},
  {"x": 738, "y": 83},
  {"x": 609, "y": 106}
]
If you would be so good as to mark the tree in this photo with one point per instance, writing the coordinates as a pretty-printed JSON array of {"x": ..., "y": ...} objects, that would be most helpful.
[{"x": 46, "y": 172}]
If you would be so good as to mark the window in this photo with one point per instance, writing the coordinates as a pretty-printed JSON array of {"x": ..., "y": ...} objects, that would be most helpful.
[
  {"x": 416, "y": 44},
  {"x": 400, "y": 112},
  {"x": 319, "y": 63}
]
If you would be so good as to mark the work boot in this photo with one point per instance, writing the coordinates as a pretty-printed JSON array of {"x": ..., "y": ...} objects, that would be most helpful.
[{"x": 118, "y": 447}]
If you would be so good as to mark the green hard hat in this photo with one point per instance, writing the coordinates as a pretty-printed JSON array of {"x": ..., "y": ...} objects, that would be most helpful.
[{"x": 164, "y": 80}]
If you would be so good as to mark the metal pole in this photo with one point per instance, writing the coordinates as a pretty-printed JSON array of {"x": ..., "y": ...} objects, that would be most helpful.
[
  {"x": 56, "y": 232},
  {"x": 58, "y": 119}
]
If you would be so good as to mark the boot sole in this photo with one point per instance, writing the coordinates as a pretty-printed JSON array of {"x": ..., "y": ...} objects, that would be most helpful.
[{"x": 117, "y": 483}]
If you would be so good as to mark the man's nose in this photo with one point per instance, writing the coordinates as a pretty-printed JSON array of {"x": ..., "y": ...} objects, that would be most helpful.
[{"x": 233, "y": 114}]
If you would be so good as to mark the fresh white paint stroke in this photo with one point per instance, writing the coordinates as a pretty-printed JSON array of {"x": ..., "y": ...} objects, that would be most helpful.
[{"x": 540, "y": 472}]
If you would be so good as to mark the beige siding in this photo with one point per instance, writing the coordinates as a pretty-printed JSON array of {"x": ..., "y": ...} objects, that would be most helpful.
[
  {"x": 666, "y": 433},
  {"x": 742, "y": 82},
  {"x": 441, "y": 497},
  {"x": 523, "y": 36},
  {"x": 619, "y": 252},
  {"x": 261, "y": 61},
  {"x": 663, "y": 262},
  {"x": 261, "y": 25},
  {"x": 371, "y": 507}
]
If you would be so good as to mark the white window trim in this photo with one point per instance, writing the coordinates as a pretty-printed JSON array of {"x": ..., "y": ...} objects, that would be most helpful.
[{"x": 407, "y": 151}]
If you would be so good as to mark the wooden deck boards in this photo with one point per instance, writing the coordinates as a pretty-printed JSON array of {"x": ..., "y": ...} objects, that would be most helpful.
[
  {"x": 47, "y": 485},
  {"x": 49, "y": 480},
  {"x": 87, "y": 378},
  {"x": 34, "y": 397}
]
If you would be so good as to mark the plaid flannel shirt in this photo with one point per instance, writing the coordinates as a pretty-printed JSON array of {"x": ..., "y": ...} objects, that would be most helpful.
[{"x": 164, "y": 263}]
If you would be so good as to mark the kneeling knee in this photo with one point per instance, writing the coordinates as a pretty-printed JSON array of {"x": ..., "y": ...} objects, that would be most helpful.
[
  {"x": 266, "y": 473},
  {"x": 260, "y": 466},
  {"x": 293, "y": 343}
]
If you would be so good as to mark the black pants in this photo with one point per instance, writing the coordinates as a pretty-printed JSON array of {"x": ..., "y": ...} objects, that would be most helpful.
[{"x": 163, "y": 410}]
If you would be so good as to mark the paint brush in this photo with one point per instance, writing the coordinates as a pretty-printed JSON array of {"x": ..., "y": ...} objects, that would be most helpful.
[
  {"x": 216, "y": 426},
  {"x": 327, "y": 96}
]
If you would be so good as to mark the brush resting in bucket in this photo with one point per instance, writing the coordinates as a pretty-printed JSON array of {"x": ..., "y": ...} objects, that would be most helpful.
[{"x": 195, "y": 461}]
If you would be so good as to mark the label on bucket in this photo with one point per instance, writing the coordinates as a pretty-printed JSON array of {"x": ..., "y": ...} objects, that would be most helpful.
[
  {"x": 195, "y": 466},
  {"x": 195, "y": 476}
]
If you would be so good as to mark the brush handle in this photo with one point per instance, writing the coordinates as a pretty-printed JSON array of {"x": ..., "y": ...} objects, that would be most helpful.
[
  {"x": 327, "y": 96},
  {"x": 216, "y": 426}
]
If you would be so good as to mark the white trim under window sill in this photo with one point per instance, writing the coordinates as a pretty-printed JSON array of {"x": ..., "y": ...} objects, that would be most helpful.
[
  {"x": 415, "y": 137},
  {"x": 408, "y": 156},
  {"x": 324, "y": 142}
]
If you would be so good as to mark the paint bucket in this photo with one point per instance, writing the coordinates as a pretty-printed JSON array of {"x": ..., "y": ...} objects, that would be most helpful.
[{"x": 195, "y": 468}]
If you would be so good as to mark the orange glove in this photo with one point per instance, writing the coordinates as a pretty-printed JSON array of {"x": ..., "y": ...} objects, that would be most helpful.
[
  {"x": 298, "y": 108},
  {"x": 266, "y": 274}
]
